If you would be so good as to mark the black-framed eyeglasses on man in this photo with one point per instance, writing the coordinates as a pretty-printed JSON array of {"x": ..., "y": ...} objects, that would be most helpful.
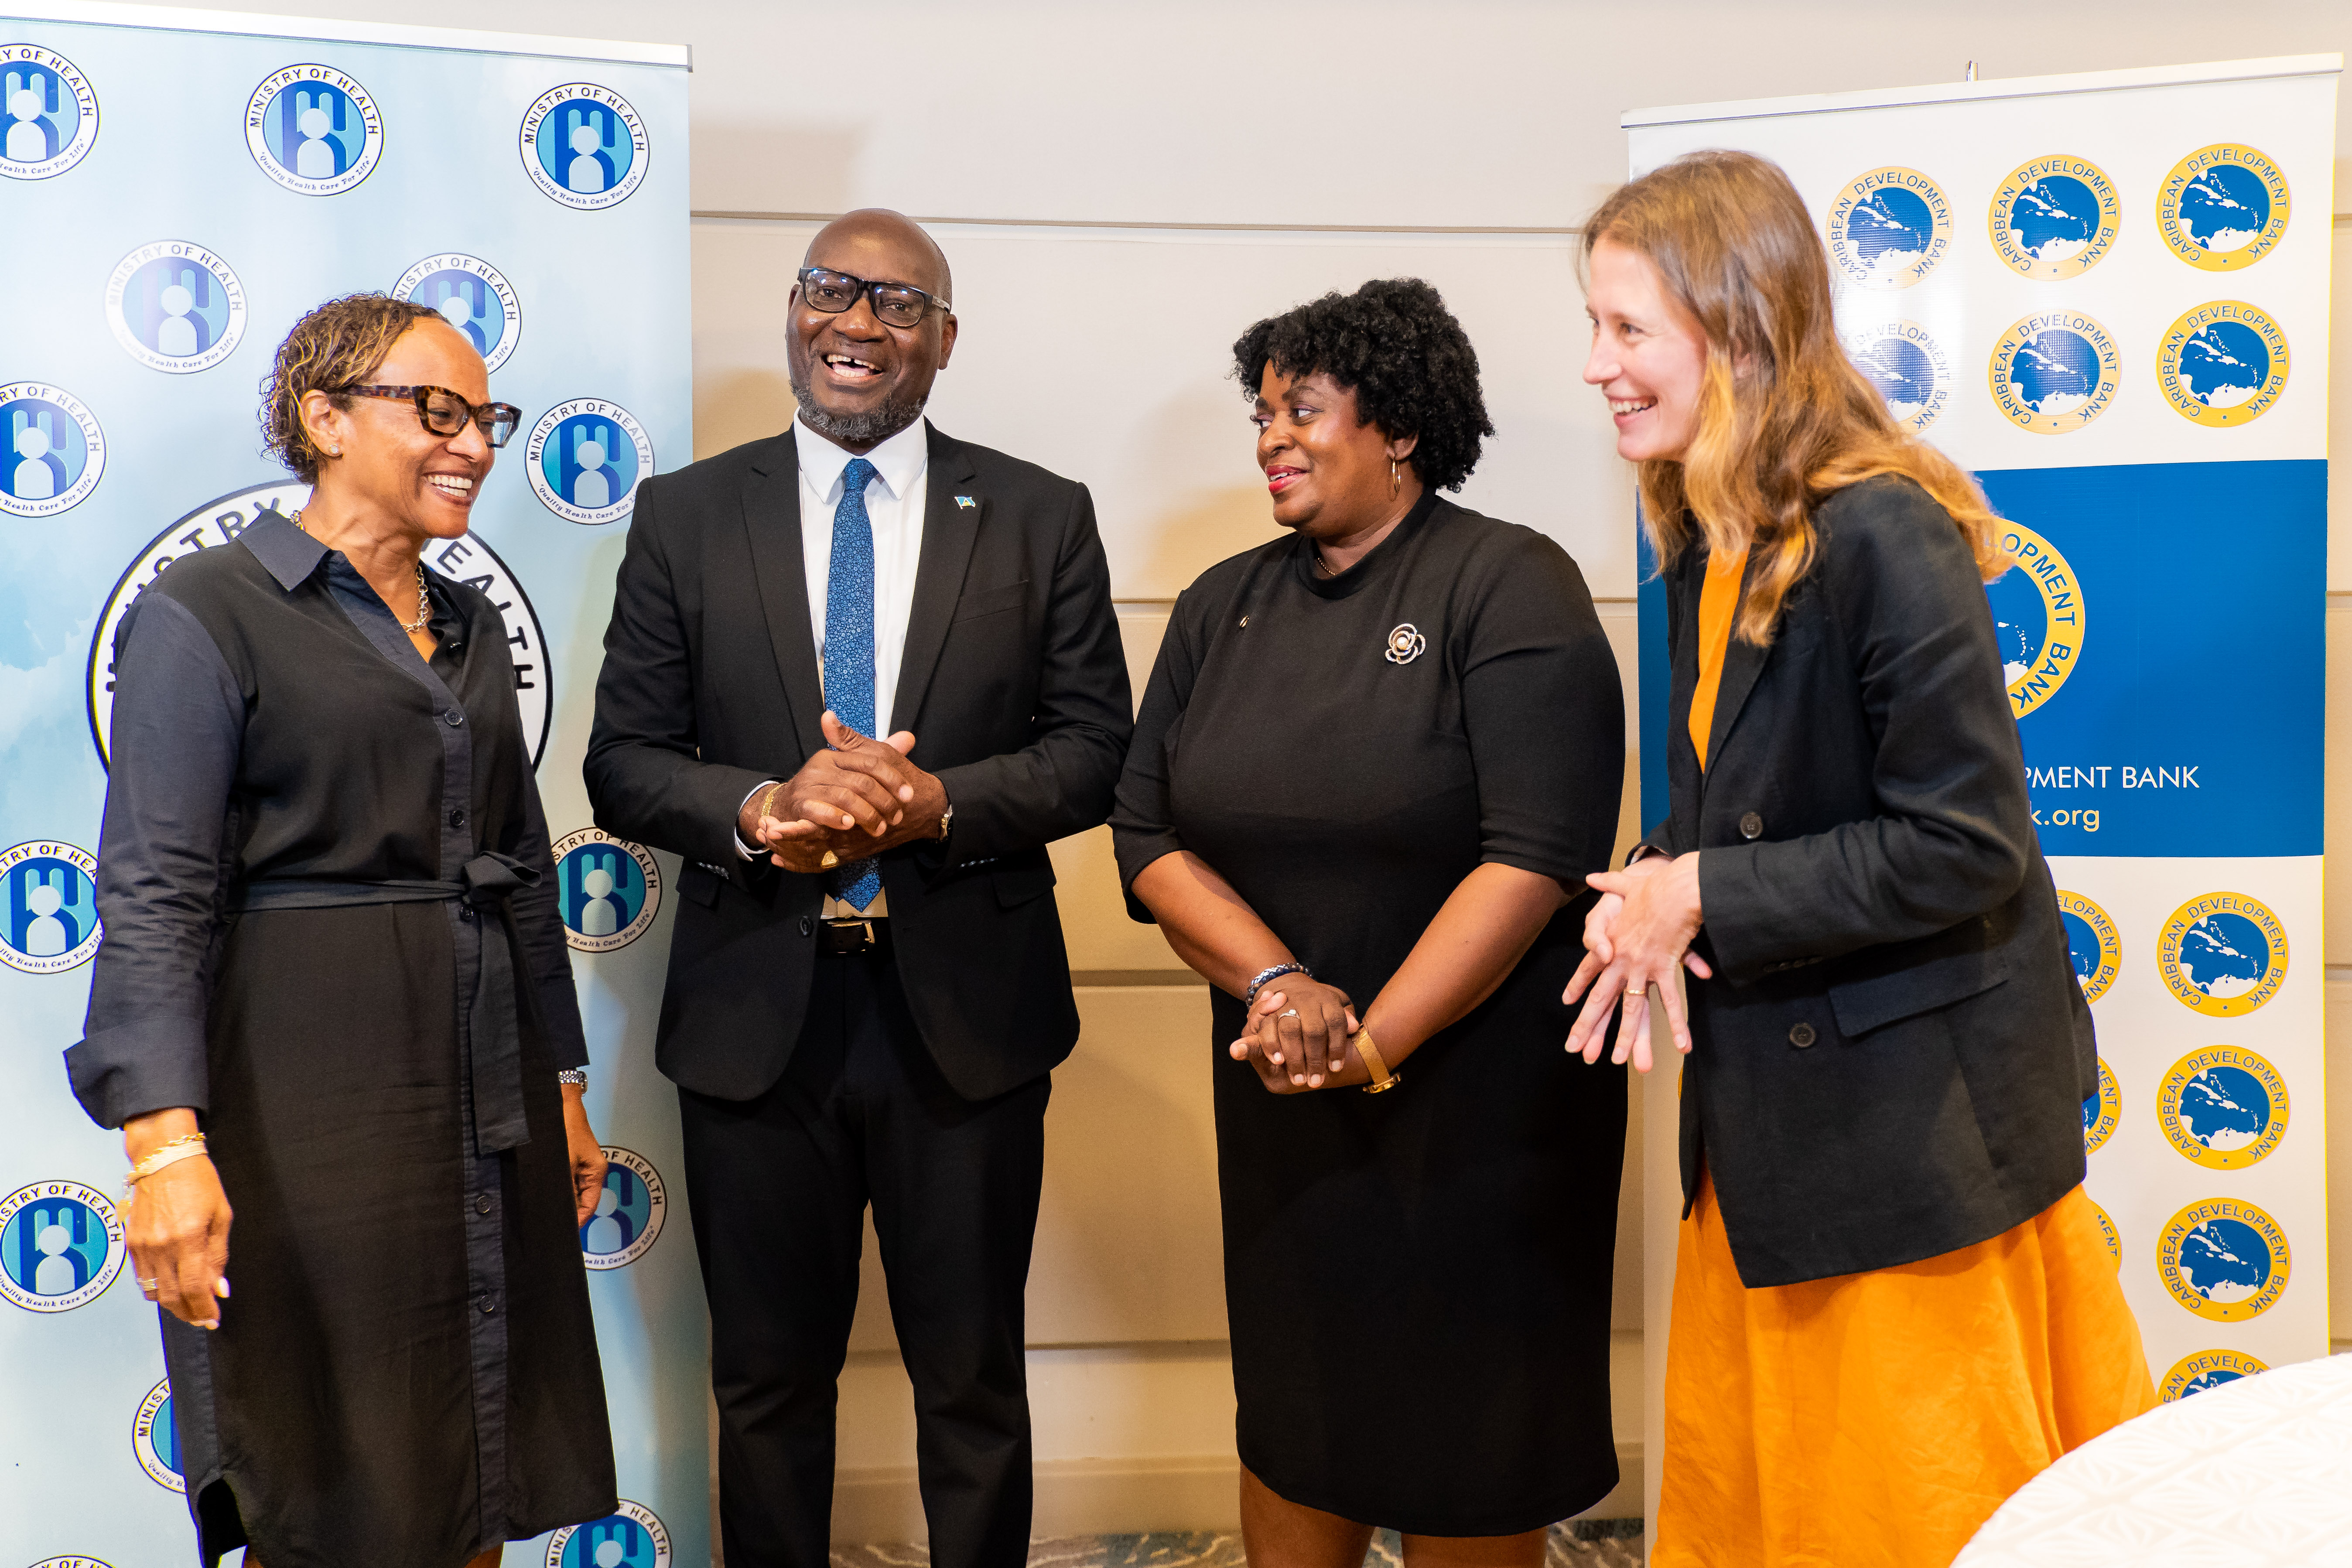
[
  {"x": 445, "y": 412},
  {"x": 895, "y": 304}
]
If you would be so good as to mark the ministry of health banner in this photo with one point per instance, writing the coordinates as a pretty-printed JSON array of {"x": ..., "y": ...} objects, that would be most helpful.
[
  {"x": 2108, "y": 295},
  {"x": 178, "y": 188}
]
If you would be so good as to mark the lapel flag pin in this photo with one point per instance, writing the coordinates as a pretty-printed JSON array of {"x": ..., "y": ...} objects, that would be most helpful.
[{"x": 966, "y": 502}]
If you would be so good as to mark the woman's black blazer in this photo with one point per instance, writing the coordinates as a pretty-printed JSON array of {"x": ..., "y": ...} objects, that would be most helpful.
[{"x": 1891, "y": 1059}]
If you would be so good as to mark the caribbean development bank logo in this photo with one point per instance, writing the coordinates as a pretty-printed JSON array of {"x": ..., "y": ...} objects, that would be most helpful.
[
  {"x": 313, "y": 130},
  {"x": 155, "y": 1439},
  {"x": 629, "y": 1537},
  {"x": 607, "y": 891},
  {"x": 1909, "y": 368},
  {"x": 2101, "y": 1110},
  {"x": 51, "y": 112},
  {"x": 218, "y": 521},
  {"x": 2055, "y": 371},
  {"x": 2223, "y": 1107},
  {"x": 2109, "y": 1233},
  {"x": 584, "y": 146},
  {"x": 2222, "y": 364},
  {"x": 61, "y": 1244},
  {"x": 2092, "y": 944},
  {"x": 587, "y": 457},
  {"x": 2039, "y": 616},
  {"x": 2205, "y": 1370},
  {"x": 2223, "y": 1258},
  {"x": 2222, "y": 208},
  {"x": 176, "y": 307},
  {"x": 629, "y": 1211},
  {"x": 48, "y": 907},
  {"x": 473, "y": 296},
  {"x": 2054, "y": 218},
  {"x": 2222, "y": 954},
  {"x": 1888, "y": 229},
  {"x": 55, "y": 450}
]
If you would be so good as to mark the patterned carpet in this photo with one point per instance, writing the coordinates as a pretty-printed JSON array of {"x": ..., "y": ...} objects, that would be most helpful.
[{"x": 1587, "y": 1543}]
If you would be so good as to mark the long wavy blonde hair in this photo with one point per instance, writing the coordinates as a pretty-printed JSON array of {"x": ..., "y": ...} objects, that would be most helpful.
[{"x": 1784, "y": 418}]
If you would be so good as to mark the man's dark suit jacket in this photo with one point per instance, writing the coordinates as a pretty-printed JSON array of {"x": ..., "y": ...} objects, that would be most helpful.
[
  {"x": 1891, "y": 1061},
  {"x": 1012, "y": 681}
]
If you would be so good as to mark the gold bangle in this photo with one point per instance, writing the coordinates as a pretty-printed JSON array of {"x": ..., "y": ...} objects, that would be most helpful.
[
  {"x": 1384, "y": 1080},
  {"x": 188, "y": 1146}
]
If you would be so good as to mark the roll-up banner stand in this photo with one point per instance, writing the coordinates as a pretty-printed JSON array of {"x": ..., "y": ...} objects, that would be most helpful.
[
  {"x": 2108, "y": 295},
  {"x": 178, "y": 187}
]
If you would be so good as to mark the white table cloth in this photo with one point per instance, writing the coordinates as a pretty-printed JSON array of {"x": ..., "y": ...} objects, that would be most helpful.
[{"x": 2253, "y": 1474}]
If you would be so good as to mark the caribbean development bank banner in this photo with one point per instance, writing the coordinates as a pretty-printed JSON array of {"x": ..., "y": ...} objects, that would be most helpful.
[
  {"x": 2107, "y": 294},
  {"x": 178, "y": 188}
]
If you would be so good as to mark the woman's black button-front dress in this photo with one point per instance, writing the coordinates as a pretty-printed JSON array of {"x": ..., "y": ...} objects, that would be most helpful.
[{"x": 324, "y": 931}]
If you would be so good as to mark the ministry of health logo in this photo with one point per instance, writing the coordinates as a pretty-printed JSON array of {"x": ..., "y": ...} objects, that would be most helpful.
[
  {"x": 2101, "y": 1110},
  {"x": 2222, "y": 954},
  {"x": 61, "y": 1244},
  {"x": 2039, "y": 616},
  {"x": 218, "y": 521},
  {"x": 48, "y": 907},
  {"x": 49, "y": 110},
  {"x": 473, "y": 296},
  {"x": 176, "y": 307},
  {"x": 584, "y": 146},
  {"x": 2222, "y": 208},
  {"x": 2222, "y": 364},
  {"x": 1889, "y": 228},
  {"x": 2203, "y": 1371},
  {"x": 2223, "y": 1258},
  {"x": 629, "y": 1537},
  {"x": 1909, "y": 368},
  {"x": 586, "y": 457},
  {"x": 2092, "y": 944},
  {"x": 155, "y": 1439},
  {"x": 2054, "y": 218},
  {"x": 629, "y": 1211},
  {"x": 2223, "y": 1107},
  {"x": 607, "y": 891},
  {"x": 55, "y": 450},
  {"x": 313, "y": 130},
  {"x": 2055, "y": 371}
]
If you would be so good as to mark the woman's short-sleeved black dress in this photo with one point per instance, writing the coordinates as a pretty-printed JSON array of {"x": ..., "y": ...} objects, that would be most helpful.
[
  {"x": 1418, "y": 1282},
  {"x": 322, "y": 932}
]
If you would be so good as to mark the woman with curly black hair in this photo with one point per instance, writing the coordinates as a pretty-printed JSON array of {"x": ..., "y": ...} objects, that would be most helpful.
[{"x": 1376, "y": 761}]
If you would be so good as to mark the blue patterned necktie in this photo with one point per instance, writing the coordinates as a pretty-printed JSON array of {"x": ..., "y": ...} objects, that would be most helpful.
[{"x": 849, "y": 646}]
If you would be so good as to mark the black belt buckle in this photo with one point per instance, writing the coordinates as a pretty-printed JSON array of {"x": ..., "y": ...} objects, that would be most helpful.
[{"x": 843, "y": 939}]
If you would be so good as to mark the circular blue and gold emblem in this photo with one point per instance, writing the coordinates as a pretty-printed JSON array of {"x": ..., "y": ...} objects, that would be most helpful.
[
  {"x": 2093, "y": 943},
  {"x": 2053, "y": 371},
  {"x": 2054, "y": 218},
  {"x": 2039, "y": 616},
  {"x": 155, "y": 1439},
  {"x": 2224, "y": 363},
  {"x": 313, "y": 128},
  {"x": 48, "y": 110},
  {"x": 2222, "y": 208},
  {"x": 2203, "y": 1371},
  {"x": 61, "y": 1244},
  {"x": 1909, "y": 368},
  {"x": 607, "y": 890},
  {"x": 2109, "y": 1233},
  {"x": 2222, "y": 954},
  {"x": 2223, "y": 1258},
  {"x": 1888, "y": 229},
  {"x": 2224, "y": 1107},
  {"x": 2101, "y": 1110},
  {"x": 630, "y": 1536}
]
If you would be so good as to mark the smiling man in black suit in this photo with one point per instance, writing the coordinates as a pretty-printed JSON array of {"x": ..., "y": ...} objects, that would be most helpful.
[{"x": 868, "y": 986}]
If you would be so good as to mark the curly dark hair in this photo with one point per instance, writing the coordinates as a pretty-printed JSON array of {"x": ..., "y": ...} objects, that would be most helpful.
[
  {"x": 1395, "y": 345},
  {"x": 336, "y": 345}
]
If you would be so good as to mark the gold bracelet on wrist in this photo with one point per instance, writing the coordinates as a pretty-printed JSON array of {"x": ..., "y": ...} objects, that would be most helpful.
[
  {"x": 188, "y": 1146},
  {"x": 1384, "y": 1080}
]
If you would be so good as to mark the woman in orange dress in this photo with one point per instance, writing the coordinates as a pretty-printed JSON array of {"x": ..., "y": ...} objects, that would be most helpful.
[{"x": 1893, "y": 1304}]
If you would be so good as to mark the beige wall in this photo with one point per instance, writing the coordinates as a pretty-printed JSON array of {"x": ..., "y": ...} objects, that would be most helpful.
[{"x": 1128, "y": 186}]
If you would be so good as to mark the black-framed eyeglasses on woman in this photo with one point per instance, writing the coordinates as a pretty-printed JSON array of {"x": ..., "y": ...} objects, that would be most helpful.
[
  {"x": 445, "y": 412},
  {"x": 895, "y": 304}
]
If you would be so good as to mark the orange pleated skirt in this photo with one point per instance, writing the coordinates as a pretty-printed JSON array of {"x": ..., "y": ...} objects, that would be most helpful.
[{"x": 1876, "y": 1420}]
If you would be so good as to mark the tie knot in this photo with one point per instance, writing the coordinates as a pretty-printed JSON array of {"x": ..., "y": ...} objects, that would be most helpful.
[{"x": 856, "y": 477}]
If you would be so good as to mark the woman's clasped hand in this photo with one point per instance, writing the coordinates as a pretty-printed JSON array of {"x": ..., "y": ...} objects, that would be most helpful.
[
  {"x": 1638, "y": 932},
  {"x": 1301, "y": 1038}
]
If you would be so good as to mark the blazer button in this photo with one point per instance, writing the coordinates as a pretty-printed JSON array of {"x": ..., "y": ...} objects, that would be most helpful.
[
  {"x": 1751, "y": 827},
  {"x": 807, "y": 925},
  {"x": 1802, "y": 1036}
]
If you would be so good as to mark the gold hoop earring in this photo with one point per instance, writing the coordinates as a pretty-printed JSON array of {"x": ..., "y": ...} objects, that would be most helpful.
[{"x": 1396, "y": 485}]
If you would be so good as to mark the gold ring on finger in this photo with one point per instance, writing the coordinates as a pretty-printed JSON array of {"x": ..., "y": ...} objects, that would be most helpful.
[
  {"x": 1637, "y": 992},
  {"x": 1290, "y": 1012}
]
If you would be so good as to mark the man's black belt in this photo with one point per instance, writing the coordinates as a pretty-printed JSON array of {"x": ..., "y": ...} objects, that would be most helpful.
[
  {"x": 491, "y": 1022},
  {"x": 844, "y": 938}
]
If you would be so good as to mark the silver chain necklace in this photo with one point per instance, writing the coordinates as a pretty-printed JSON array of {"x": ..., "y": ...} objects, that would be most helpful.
[{"x": 424, "y": 605}]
